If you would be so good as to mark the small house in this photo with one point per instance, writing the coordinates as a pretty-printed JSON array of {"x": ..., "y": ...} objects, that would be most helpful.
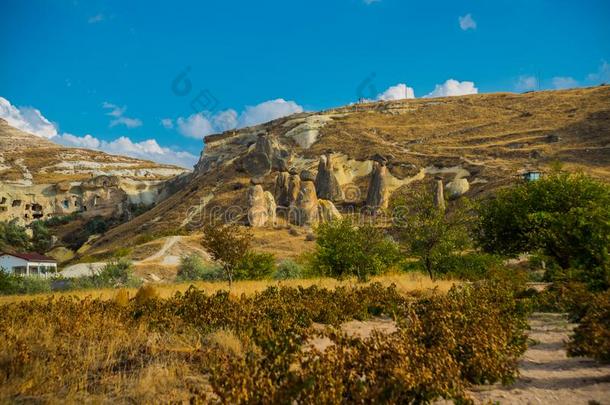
[
  {"x": 28, "y": 264},
  {"x": 531, "y": 175}
]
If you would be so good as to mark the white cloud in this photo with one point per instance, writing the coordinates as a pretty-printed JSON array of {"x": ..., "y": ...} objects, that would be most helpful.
[
  {"x": 30, "y": 120},
  {"x": 398, "y": 92},
  {"x": 602, "y": 75},
  {"x": 567, "y": 82},
  {"x": 96, "y": 18},
  {"x": 453, "y": 88},
  {"x": 225, "y": 120},
  {"x": 467, "y": 22},
  {"x": 526, "y": 83},
  {"x": 195, "y": 126},
  {"x": 268, "y": 111},
  {"x": 119, "y": 119},
  {"x": 167, "y": 123},
  {"x": 27, "y": 119}
]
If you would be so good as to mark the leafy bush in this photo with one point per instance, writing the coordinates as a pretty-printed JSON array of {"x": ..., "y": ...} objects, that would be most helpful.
[
  {"x": 471, "y": 266},
  {"x": 193, "y": 268},
  {"x": 344, "y": 250},
  {"x": 61, "y": 220},
  {"x": 255, "y": 266},
  {"x": 18, "y": 284},
  {"x": 565, "y": 216},
  {"x": 591, "y": 337},
  {"x": 116, "y": 273},
  {"x": 288, "y": 269}
]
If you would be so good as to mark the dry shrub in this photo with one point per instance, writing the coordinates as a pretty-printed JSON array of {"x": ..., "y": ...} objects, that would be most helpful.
[
  {"x": 146, "y": 293},
  {"x": 225, "y": 340},
  {"x": 591, "y": 337},
  {"x": 122, "y": 297},
  {"x": 151, "y": 350}
]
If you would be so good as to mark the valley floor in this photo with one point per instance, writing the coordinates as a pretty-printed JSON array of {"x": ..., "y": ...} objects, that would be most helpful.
[{"x": 548, "y": 376}]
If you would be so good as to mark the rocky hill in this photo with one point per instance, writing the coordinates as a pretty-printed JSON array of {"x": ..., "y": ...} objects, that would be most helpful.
[
  {"x": 40, "y": 179},
  {"x": 307, "y": 167}
]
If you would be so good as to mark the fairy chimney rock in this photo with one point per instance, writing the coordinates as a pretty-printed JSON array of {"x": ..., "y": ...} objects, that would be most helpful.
[
  {"x": 327, "y": 185},
  {"x": 377, "y": 195}
]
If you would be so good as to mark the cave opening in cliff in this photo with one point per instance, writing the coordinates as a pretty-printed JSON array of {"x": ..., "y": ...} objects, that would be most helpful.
[{"x": 16, "y": 203}]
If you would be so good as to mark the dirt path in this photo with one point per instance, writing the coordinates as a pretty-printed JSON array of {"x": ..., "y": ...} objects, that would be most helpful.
[
  {"x": 548, "y": 376},
  {"x": 169, "y": 243}
]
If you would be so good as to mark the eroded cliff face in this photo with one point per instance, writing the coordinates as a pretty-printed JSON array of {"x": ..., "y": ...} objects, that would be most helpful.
[{"x": 39, "y": 179}]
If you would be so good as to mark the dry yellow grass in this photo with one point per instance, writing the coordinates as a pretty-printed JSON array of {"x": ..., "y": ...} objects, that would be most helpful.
[{"x": 405, "y": 283}]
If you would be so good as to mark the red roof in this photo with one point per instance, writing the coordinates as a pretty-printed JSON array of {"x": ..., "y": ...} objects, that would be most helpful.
[{"x": 30, "y": 257}]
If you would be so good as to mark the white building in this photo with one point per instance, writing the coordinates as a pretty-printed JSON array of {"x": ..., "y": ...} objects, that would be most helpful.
[{"x": 28, "y": 264}]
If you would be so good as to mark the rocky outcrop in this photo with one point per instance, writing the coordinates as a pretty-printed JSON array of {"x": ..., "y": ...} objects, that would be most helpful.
[
  {"x": 305, "y": 210},
  {"x": 327, "y": 185},
  {"x": 457, "y": 188},
  {"x": 377, "y": 194},
  {"x": 327, "y": 211},
  {"x": 267, "y": 155},
  {"x": 261, "y": 205}
]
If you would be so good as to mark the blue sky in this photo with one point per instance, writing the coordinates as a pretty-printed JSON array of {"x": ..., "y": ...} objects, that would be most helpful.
[{"x": 106, "y": 74}]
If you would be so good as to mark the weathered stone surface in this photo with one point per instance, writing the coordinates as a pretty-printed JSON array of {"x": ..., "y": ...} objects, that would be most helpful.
[
  {"x": 327, "y": 185},
  {"x": 261, "y": 206},
  {"x": 294, "y": 186},
  {"x": 457, "y": 188},
  {"x": 327, "y": 211},
  {"x": 439, "y": 197},
  {"x": 305, "y": 211},
  {"x": 377, "y": 194},
  {"x": 257, "y": 164},
  {"x": 306, "y": 175},
  {"x": 282, "y": 189}
]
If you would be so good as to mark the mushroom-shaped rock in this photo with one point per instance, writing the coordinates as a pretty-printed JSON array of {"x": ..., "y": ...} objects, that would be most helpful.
[
  {"x": 305, "y": 211},
  {"x": 327, "y": 185},
  {"x": 327, "y": 211},
  {"x": 260, "y": 211},
  {"x": 457, "y": 188},
  {"x": 377, "y": 194}
]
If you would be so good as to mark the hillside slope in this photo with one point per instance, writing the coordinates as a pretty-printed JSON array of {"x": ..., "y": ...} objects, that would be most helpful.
[
  {"x": 485, "y": 139},
  {"x": 40, "y": 179}
]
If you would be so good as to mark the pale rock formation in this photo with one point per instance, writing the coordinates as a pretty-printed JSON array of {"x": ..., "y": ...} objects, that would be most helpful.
[
  {"x": 294, "y": 186},
  {"x": 305, "y": 211},
  {"x": 377, "y": 195},
  {"x": 457, "y": 188},
  {"x": 327, "y": 185},
  {"x": 261, "y": 205},
  {"x": 327, "y": 211}
]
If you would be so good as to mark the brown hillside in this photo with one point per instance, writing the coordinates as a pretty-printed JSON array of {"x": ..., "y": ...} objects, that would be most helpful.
[{"x": 486, "y": 138}]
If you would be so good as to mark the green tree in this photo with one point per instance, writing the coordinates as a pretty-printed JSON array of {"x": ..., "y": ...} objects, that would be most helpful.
[
  {"x": 564, "y": 216},
  {"x": 228, "y": 244},
  {"x": 430, "y": 233},
  {"x": 41, "y": 237},
  {"x": 344, "y": 250},
  {"x": 13, "y": 236}
]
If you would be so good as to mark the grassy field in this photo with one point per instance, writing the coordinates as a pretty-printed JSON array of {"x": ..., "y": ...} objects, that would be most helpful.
[{"x": 405, "y": 283}]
